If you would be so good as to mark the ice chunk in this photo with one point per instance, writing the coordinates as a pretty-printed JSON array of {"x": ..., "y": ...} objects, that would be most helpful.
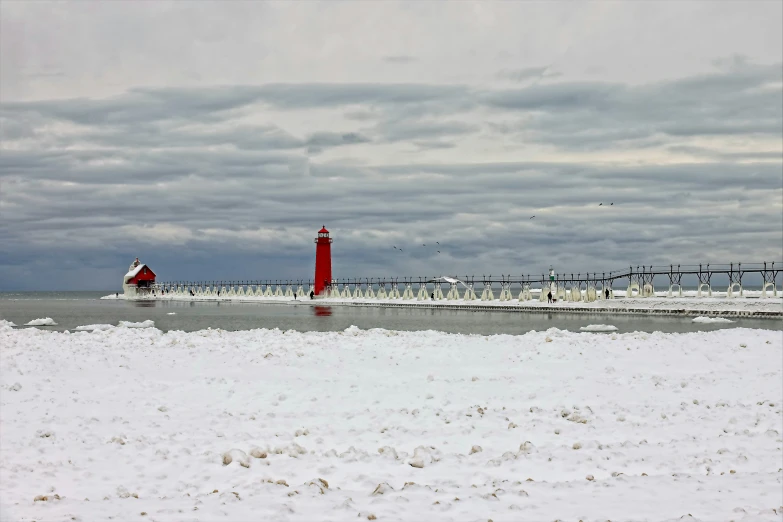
[
  {"x": 144, "y": 324},
  {"x": 710, "y": 320},
  {"x": 599, "y": 328},
  {"x": 93, "y": 327},
  {"x": 47, "y": 321}
]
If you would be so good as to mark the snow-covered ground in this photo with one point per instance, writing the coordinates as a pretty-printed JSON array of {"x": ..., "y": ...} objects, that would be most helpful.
[
  {"x": 135, "y": 424},
  {"x": 620, "y": 304}
]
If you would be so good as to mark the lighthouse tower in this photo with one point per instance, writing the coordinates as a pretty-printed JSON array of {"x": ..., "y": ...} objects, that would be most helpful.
[{"x": 323, "y": 261}]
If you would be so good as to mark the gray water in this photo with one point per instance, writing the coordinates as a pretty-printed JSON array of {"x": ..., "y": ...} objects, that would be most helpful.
[{"x": 72, "y": 309}]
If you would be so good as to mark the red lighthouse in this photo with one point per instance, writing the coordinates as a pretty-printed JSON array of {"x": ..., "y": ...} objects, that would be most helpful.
[{"x": 323, "y": 261}]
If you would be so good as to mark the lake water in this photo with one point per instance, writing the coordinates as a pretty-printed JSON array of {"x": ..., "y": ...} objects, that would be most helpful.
[{"x": 72, "y": 309}]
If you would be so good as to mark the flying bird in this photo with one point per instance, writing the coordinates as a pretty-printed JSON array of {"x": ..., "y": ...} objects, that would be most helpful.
[
  {"x": 437, "y": 242},
  {"x": 438, "y": 251},
  {"x": 610, "y": 204},
  {"x": 600, "y": 204},
  {"x": 531, "y": 217}
]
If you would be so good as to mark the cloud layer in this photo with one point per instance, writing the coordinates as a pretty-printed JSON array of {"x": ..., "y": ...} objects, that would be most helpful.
[{"x": 232, "y": 179}]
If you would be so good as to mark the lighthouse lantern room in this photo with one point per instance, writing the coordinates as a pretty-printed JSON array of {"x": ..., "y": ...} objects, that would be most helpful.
[
  {"x": 323, "y": 262},
  {"x": 139, "y": 281}
]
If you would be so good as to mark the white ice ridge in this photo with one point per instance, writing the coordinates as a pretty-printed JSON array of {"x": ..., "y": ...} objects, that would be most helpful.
[
  {"x": 47, "y": 321},
  {"x": 93, "y": 327},
  {"x": 599, "y": 328},
  {"x": 8, "y": 324},
  {"x": 708, "y": 320},
  {"x": 144, "y": 324},
  {"x": 388, "y": 425},
  {"x": 701, "y": 306}
]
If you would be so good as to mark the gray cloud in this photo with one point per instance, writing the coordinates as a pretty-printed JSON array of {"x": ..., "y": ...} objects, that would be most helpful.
[
  {"x": 361, "y": 115},
  {"x": 528, "y": 73},
  {"x": 214, "y": 182},
  {"x": 400, "y": 58},
  {"x": 333, "y": 139},
  {"x": 414, "y": 129},
  {"x": 144, "y": 105},
  {"x": 594, "y": 70},
  {"x": 590, "y": 115},
  {"x": 434, "y": 144},
  {"x": 704, "y": 152}
]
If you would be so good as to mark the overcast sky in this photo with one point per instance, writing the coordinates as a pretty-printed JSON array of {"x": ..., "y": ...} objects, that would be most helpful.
[{"x": 213, "y": 140}]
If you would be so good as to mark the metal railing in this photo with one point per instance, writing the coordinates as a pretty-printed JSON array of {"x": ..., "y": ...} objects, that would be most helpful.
[{"x": 640, "y": 274}]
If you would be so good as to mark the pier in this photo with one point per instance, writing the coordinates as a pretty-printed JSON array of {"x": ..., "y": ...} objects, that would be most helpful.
[{"x": 635, "y": 282}]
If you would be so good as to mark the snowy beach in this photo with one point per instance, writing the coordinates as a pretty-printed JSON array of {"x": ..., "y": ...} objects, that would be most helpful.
[{"x": 131, "y": 423}]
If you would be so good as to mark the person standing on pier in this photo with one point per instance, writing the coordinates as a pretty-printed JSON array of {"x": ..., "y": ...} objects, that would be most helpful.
[{"x": 549, "y": 296}]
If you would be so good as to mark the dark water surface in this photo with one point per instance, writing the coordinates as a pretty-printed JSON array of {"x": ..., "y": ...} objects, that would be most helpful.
[{"x": 72, "y": 309}]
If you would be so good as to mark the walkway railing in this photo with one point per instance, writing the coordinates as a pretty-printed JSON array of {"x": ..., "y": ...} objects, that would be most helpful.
[{"x": 588, "y": 285}]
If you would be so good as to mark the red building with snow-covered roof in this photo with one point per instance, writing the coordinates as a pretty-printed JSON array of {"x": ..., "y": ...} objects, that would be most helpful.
[{"x": 139, "y": 280}]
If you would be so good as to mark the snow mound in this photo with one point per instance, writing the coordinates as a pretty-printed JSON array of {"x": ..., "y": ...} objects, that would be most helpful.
[
  {"x": 4, "y": 323},
  {"x": 258, "y": 453},
  {"x": 144, "y": 324},
  {"x": 352, "y": 330},
  {"x": 599, "y": 328},
  {"x": 424, "y": 456},
  {"x": 93, "y": 327},
  {"x": 238, "y": 456},
  {"x": 47, "y": 321},
  {"x": 711, "y": 320},
  {"x": 172, "y": 313}
]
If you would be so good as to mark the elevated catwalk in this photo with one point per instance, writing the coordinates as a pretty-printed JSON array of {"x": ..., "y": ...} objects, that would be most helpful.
[
  {"x": 569, "y": 292},
  {"x": 587, "y": 287}
]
